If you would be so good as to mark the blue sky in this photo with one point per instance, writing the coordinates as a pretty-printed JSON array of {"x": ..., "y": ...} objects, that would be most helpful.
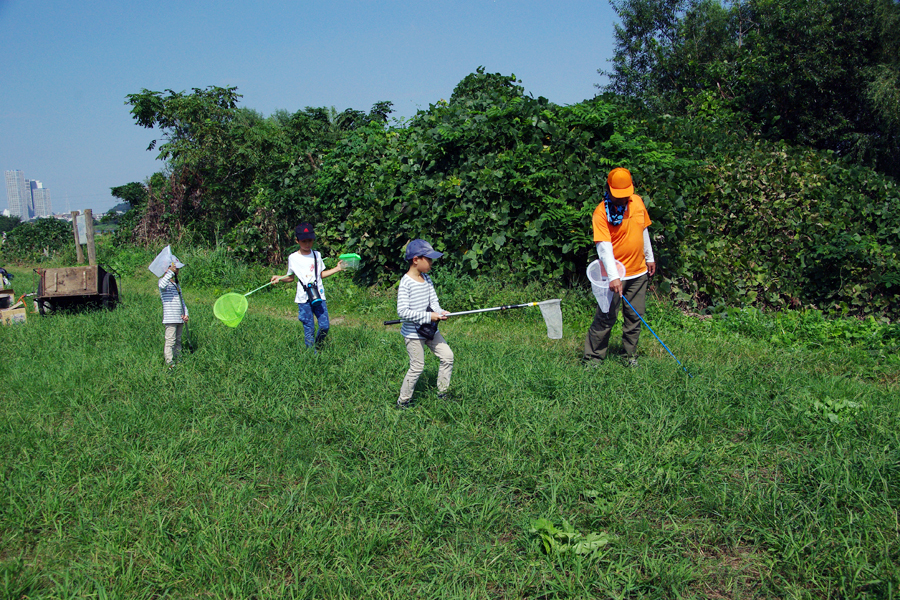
[{"x": 66, "y": 68}]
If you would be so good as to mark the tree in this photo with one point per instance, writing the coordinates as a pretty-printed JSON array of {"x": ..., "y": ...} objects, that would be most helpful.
[
  {"x": 134, "y": 193},
  {"x": 823, "y": 74},
  {"x": 203, "y": 158},
  {"x": 493, "y": 176},
  {"x": 229, "y": 169},
  {"x": 191, "y": 123},
  {"x": 283, "y": 190},
  {"x": 645, "y": 41},
  {"x": 115, "y": 214}
]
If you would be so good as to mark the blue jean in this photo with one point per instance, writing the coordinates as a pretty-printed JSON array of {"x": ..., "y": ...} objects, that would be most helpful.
[{"x": 305, "y": 313}]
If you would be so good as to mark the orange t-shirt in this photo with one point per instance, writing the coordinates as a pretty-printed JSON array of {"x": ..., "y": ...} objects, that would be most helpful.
[{"x": 628, "y": 238}]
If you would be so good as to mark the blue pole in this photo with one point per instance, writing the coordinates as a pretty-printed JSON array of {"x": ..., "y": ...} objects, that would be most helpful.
[{"x": 654, "y": 335}]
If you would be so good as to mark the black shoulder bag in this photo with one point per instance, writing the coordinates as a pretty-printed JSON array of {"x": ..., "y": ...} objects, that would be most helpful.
[{"x": 429, "y": 329}]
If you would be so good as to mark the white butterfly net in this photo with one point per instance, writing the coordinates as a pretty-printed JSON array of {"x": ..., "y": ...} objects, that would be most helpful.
[{"x": 552, "y": 313}]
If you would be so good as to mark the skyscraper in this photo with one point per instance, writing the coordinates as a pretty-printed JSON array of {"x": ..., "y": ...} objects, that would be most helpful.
[
  {"x": 18, "y": 194},
  {"x": 40, "y": 200}
]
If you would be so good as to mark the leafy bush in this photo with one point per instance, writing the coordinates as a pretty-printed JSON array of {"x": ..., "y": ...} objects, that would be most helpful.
[
  {"x": 811, "y": 328},
  {"x": 38, "y": 241},
  {"x": 8, "y": 223},
  {"x": 565, "y": 539},
  {"x": 771, "y": 225},
  {"x": 493, "y": 178},
  {"x": 501, "y": 181}
]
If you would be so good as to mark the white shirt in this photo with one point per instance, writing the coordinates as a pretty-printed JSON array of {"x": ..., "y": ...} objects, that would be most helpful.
[{"x": 302, "y": 267}]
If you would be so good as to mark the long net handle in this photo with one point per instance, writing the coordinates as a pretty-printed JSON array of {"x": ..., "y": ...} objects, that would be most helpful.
[
  {"x": 180, "y": 297},
  {"x": 480, "y": 310},
  {"x": 656, "y": 336},
  {"x": 259, "y": 288}
]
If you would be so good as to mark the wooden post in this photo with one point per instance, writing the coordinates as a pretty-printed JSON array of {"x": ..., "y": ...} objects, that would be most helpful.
[
  {"x": 78, "y": 254},
  {"x": 89, "y": 232}
]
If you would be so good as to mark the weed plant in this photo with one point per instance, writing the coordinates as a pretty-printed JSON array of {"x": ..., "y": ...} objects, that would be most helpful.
[{"x": 257, "y": 468}]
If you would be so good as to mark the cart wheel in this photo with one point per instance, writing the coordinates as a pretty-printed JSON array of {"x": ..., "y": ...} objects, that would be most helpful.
[
  {"x": 110, "y": 291},
  {"x": 43, "y": 307}
]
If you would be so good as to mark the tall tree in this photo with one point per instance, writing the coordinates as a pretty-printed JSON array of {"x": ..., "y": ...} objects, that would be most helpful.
[
  {"x": 646, "y": 38},
  {"x": 824, "y": 74},
  {"x": 134, "y": 193},
  {"x": 230, "y": 170},
  {"x": 190, "y": 123}
]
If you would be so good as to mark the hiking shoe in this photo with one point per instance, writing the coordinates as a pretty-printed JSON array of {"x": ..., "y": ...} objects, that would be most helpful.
[
  {"x": 592, "y": 363},
  {"x": 447, "y": 396},
  {"x": 631, "y": 362},
  {"x": 404, "y": 405},
  {"x": 321, "y": 340}
]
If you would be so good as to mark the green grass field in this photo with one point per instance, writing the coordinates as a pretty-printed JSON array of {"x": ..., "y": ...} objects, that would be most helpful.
[{"x": 257, "y": 469}]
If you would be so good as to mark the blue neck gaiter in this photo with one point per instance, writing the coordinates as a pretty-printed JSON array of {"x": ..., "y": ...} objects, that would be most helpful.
[{"x": 614, "y": 214}]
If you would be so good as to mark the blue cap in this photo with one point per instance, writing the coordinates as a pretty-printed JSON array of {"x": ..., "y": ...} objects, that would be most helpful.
[
  {"x": 421, "y": 248},
  {"x": 304, "y": 231}
]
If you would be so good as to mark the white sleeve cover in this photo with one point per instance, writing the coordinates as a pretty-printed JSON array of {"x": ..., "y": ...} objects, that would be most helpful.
[
  {"x": 648, "y": 249},
  {"x": 605, "y": 252}
]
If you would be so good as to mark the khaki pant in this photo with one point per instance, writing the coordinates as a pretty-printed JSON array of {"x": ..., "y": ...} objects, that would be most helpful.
[
  {"x": 597, "y": 343},
  {"x": 416, "y": 350},
  {"x": 172, "y": 349}
]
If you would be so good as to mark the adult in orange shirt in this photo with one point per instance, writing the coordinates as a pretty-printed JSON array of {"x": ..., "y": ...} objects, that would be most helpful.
[{"x": 620, "y": 232}]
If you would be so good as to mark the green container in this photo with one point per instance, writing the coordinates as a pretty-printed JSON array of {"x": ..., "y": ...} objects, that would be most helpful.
[{"x": 351, "y": 261}]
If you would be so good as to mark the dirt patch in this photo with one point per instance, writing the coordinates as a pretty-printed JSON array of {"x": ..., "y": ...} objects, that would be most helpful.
[{"x": 729, "y": 572}]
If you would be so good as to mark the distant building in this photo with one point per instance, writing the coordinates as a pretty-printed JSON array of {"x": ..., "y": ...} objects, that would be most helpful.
[
  {"x": 40, "y": 200},
  {"x": 18, "y": 194},
  {"x": 28, "y": 198}
]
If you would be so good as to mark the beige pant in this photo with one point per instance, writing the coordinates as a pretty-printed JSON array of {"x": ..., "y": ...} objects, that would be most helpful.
[
  {"x": 416, "y": 350},
  {"x": 172, "y": 349}
]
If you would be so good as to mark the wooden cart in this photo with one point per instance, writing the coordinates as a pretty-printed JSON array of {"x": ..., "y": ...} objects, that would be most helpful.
[{"x": 73, "y": 287}]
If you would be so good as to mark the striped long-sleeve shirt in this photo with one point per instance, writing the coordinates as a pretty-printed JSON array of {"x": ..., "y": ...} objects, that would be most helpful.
[
  {"x": 173, "y": 306},
  {"x": 413, "y": 300}
]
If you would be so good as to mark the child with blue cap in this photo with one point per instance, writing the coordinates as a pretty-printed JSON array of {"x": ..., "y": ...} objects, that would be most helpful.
[{"x": 420, "y": 312}]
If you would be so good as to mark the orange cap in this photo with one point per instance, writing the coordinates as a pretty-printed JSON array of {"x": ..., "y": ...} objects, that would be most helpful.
[{"x": 620, "y": 184}]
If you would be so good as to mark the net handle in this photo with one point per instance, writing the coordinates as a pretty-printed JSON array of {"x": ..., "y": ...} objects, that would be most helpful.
[
  {"x": 480, "y": 310},
  {"x": 259, "y": 288},
  {"x": 656, "y": 336}
]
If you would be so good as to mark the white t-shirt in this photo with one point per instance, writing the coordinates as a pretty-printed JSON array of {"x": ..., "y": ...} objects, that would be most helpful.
[{"x": 302, "y": 267}]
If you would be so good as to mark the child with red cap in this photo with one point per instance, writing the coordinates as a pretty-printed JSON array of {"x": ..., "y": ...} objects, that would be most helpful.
[
  {"x": 306, "y": 266},
  {"x": 620, "y": 225}
]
